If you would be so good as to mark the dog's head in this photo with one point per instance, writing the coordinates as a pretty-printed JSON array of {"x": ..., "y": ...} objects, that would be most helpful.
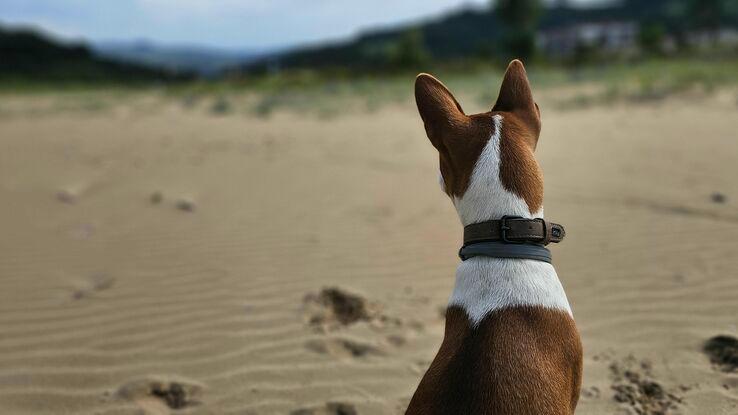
[{"x": 487, "y": 162}]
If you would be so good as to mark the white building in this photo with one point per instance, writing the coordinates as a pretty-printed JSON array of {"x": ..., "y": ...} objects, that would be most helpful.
[{"x": 607, "y": 36}]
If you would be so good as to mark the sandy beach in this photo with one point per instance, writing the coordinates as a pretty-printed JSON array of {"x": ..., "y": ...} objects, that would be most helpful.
[{"x": 158, "y": 258}]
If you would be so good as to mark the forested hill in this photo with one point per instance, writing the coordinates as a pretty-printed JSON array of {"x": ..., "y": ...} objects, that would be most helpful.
[
  {"x": 30, "y": 56},
  {"x": 476, "y": 33}
]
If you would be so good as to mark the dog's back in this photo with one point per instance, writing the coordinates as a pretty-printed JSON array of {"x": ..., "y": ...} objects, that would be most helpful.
[{"x": 520, "y": 360}]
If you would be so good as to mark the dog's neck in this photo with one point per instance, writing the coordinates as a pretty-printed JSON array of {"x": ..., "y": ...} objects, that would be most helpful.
[
  {"x": 486, "y": 198},
  {"x": 487, "y": 284}
]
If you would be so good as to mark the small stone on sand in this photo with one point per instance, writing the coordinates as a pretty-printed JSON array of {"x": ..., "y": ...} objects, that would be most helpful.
[
  {"x": 156, "y": 198},
  {"x": 718, "y": 197},
  {"x": 66, "y": 196},
  {"x": 186, "y": 205}
]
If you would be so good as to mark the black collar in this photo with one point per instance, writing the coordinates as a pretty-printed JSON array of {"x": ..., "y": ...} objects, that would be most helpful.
[
  {"x": 503, "y": 250},
  {"x": 511, "y": 237}
]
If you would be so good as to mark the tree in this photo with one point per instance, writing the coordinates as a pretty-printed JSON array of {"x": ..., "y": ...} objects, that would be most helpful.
[
  {"x": 520, "y": 20},
  {"x": 410, "y": 51},
  {"x": 651, "y": 37},
  {"x": 706, "y": 14}
]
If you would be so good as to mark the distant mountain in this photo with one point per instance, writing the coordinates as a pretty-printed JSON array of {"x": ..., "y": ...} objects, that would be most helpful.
[
  {"x": 201, "y": 60},
  {"x": 472, "y": 33},
  {"x": 459, "y": 34},
  {"x": 28, "y": 55}
]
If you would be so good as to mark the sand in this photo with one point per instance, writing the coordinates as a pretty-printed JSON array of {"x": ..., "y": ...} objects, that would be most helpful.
[{"x": 158, "y": 259}]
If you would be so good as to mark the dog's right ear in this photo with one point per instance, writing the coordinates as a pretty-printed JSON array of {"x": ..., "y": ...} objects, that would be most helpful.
[{"x": 441, "y": 113}]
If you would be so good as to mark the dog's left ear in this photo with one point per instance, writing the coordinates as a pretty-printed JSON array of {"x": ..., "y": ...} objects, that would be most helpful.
[{"x": 516, "y": 97}]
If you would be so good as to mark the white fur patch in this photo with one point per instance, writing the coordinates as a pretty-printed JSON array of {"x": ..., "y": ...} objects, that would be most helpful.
[
  {"x": 487, "y": 284},
  {"x": 486, "y": 198}
]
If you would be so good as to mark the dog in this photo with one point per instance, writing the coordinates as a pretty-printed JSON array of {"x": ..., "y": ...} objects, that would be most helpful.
[{"x": 511, "y": 345}]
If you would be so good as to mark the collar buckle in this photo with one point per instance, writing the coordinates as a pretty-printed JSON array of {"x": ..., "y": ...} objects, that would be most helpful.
[{"x": 504, "y": 227}]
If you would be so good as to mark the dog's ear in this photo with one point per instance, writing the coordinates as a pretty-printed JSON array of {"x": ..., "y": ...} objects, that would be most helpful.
[
  {"x": 515, "y": 94},
  {"x": 516, "y": 97},
  {"x": 441, "y": 113}
]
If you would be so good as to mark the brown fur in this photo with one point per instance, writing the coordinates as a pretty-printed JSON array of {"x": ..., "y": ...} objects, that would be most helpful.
[
  {"x": 460, "y": 139},
  {"x": 519, "y": 170},
  {"x": 523, "y": 360}
]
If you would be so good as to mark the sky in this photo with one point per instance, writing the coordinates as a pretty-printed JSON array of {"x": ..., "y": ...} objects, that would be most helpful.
[{"x": 228, "y": 24}]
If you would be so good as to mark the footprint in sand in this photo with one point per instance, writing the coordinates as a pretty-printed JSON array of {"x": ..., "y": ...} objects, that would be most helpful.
[
  {"x": 333, "y": 307},
  {"x": 331, "y": 408},
  {"x": 723, "y": 352},
  {"x": 339, "y": 347},
  {"x": 92, "y": 285},
  {"x": 160, "y": 396},
  {"x": 636, "y": 389}
]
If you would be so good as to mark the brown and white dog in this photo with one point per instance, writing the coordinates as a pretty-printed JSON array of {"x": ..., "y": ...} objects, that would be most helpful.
[{"x": 511, "y": 345}]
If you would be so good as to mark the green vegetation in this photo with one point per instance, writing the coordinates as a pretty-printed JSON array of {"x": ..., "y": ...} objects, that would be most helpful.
[
  {"x": 651, "y": 37},
  {"x": 315, "y": 94},
  {"x": 653, "y": 80},
  {"x": 410, "y": 51}
]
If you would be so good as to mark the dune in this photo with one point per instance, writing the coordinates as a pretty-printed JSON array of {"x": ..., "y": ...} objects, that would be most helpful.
[{"x": 172, "y": 261}]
